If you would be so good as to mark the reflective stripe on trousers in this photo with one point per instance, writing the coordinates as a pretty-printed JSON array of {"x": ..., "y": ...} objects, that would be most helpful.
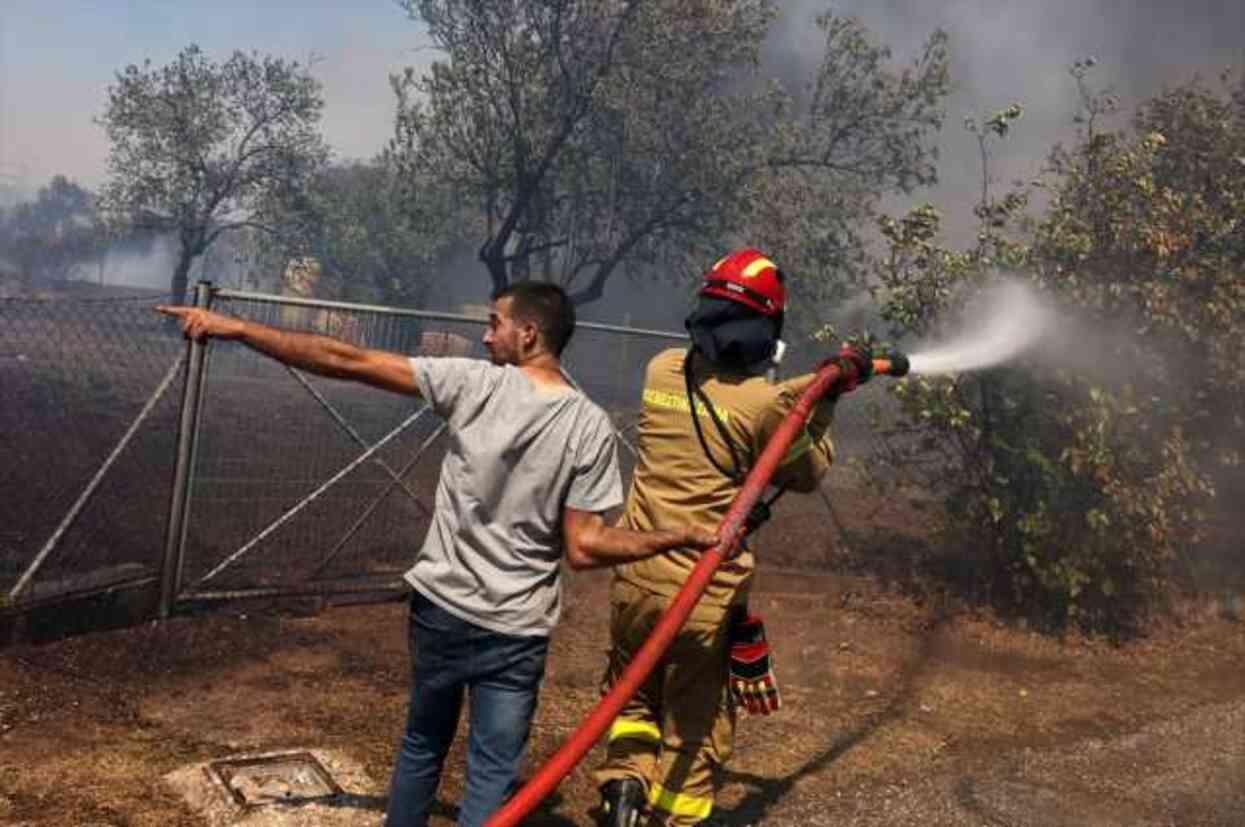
[
  {"x": 680, "y": 804},
  {"x": 640, "y": 730}
]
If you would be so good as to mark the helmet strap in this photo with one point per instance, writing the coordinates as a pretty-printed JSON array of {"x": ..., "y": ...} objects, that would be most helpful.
[
  {"x": 696, "y": 393},
  {"x": 760, "y": 512}
]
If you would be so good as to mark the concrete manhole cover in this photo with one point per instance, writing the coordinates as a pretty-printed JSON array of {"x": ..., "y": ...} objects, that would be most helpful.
[{"x": 289, "y": 778}]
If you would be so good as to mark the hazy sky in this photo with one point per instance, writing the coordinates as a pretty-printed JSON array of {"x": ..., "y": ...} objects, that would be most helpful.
[{"x": 57, "y": 58}]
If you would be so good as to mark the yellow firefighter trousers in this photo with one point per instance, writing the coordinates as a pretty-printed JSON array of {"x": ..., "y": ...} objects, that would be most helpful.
[{"x": 679, "y": 728}]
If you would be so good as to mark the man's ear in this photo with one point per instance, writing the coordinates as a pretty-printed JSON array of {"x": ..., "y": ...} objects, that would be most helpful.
[{"x": 531, "y": 335}]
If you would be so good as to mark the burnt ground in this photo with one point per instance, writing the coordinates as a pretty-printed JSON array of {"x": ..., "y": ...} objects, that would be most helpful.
[
  {"x": 898, "y": 711},
  {"x": 903, "y": 708}
]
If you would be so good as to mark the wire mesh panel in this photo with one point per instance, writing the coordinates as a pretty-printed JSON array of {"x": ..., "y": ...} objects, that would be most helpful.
[
  {"x": 306, "y": 484},
  {"x": 309, "y": 484},
  {"x": 298, "y": 484},
  {"x": 608, "y": 364},
  {"x": 87, "y": 429}
]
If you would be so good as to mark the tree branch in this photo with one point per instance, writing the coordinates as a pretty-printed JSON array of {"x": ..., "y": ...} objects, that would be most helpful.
[{"x": 237, "y": 225}]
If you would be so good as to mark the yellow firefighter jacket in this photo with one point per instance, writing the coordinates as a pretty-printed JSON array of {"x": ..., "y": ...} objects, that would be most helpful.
[{"x": 676, "y": 484}]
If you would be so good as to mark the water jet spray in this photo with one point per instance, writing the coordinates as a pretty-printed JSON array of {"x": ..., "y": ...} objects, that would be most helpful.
[{"x": 1006, "y": 321}]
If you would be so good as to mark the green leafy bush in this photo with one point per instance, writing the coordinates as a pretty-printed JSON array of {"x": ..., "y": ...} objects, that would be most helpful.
[{"x": 1073, "y": 487}]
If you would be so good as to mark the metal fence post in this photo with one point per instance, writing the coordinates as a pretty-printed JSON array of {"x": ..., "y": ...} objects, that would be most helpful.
[{"x": 187, "y": 435}]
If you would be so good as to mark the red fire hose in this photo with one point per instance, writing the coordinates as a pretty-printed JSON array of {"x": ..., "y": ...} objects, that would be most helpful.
[{"x": 581, "y": 740}]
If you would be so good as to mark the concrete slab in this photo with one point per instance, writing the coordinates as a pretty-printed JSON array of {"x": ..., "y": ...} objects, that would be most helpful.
[{"x": 275, "y": 789}]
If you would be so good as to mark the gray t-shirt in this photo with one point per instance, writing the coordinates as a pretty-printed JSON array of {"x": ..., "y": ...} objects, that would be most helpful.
[{"x": 518, "y": 455}]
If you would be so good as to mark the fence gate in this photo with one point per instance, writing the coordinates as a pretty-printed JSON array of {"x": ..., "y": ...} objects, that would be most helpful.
[{"x": 300, "y": 485}]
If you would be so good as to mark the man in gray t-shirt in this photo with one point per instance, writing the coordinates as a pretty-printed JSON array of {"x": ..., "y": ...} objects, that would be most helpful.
[
  {"x": 519, "y": 454},
  {"x": 529, "y": 474}
]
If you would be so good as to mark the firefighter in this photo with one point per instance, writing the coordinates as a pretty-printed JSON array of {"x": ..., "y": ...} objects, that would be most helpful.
[{"x": 708, "y": 412}]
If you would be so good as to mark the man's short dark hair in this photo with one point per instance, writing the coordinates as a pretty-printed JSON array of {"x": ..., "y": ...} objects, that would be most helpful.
[{"x": 545, "y": 305}]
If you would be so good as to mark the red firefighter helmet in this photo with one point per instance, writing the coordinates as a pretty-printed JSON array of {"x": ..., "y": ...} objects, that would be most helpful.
[{"x": 749, "y": 277}]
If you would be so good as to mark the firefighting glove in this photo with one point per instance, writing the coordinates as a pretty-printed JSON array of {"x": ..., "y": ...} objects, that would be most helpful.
[
  {"x": 752, "y": 682},
  {"x": 855, "y": 363}
]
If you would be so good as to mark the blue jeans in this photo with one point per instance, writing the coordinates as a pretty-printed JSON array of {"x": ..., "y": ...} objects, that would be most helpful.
[{"x": 500, "y": 674}]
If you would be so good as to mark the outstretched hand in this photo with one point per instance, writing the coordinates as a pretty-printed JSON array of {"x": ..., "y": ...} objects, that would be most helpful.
[
  {"x": 703, "y": 540},
  {"x": 699, "y": 538},
  {"x": 198, "y": 323}
]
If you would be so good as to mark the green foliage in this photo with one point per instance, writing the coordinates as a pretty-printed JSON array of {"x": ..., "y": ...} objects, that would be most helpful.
[
  {"x": 1147, "y": 226},
  {"x": 52, "y": 238},
  {"x": 200, "y": 148},
  {"x": 601, "y": 137},
  {"x": 588, "y": 131},
  {"x": 373, "y": 242},
  {"x": 1072, "y": 489}
]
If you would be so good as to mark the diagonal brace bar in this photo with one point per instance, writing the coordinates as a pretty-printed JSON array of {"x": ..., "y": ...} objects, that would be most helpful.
[
  {"x": 346, "y": 426},
  {"x": 363, "y": 518},
  {"x": 91, "y": 486},
  {"x": 314, "y": 495}
]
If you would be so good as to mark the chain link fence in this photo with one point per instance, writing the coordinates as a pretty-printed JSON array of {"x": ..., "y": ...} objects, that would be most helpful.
[
  {"x": 87, "y": 434},
  {"x": 293, "y": 484},
  {"x": 305, "y": 484}
]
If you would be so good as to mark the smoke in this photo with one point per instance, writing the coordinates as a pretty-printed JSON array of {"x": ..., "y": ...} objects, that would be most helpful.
[
  {"x": 998, "y": 325},
  {"x": 139, "y": 264},
  {"x": 1013, "y": 51},
  {"x": 1001, "y": 52}
]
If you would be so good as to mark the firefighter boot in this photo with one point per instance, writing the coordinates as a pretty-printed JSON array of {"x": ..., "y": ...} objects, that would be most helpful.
[{"x": 622, "y": 802}]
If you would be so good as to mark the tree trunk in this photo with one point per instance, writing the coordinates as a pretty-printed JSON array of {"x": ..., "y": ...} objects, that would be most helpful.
[
  {"x": 496, "y": 264},
  {"x": 178, "y": 287}
]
